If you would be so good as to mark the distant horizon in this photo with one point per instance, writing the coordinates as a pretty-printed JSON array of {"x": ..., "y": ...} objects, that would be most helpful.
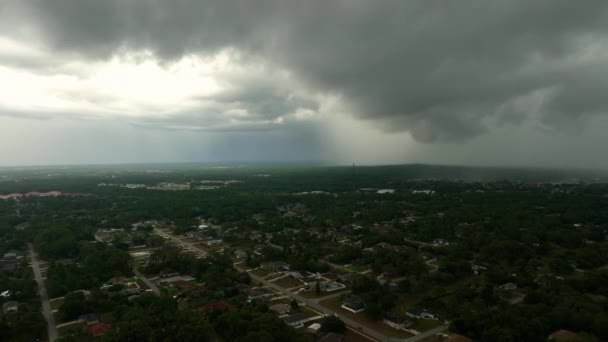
[{"x": 279, "y": 163}]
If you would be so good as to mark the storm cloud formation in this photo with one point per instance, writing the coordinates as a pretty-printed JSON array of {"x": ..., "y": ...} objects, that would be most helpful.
[{"x": 441, "y": 71}]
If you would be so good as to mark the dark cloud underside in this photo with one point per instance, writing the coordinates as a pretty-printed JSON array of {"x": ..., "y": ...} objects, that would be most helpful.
[{"x": 436, "y": 69}]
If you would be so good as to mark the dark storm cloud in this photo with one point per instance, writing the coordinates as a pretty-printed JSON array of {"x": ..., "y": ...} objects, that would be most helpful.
[{"x": 437, "y": 69}]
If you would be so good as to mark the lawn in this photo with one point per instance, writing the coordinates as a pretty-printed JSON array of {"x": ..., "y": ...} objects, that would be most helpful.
[
  {"x": 77, "y": 326},
  {"x": 423, "y": 325},
  {"x": 352, "y": 336},
  {"x": 260, "y": 272},
  {"x": 288, "y": 282},
  {"x": 310, "y": 312}
]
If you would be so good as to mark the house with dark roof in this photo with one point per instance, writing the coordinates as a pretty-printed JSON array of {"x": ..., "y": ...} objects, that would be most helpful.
[
  {"x": 296, "y": 320},
  {"x": 11, "y": 306},
  {"x": 240, "y": 254},
  {"x": 397, "y": 320},
  {"x": 353, "y": 304},
  {"x": 276, "y": 266},
  {"x": 280, "y": 309},
  {"x": 420, "y": 313}
]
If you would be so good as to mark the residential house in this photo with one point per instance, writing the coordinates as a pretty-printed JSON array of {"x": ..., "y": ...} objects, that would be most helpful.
[
  {"x": 507, "y": 287},
  {"x": 10, "y": 257},
  {"x": 296, "y": 320},
  {"x": 330, "y": 286},
  {"x": 280, "y": 309},
  {"x": 9, "y": 261},
  {"x": 353, "y": 304},
  {"x": 214, "y": 242},
  {"x": 11, "y": 306},
  {"x": 420, "y": 313},
  {"x": 295, "y": 275},
  {"x": 85, "y": 293},
  {"x": 397, "y": 320},
  {"x": 258, "y": 292},
  {"x": 314, "y": 328},
  {"x": 168, "y": 273},
  {"x": 276, "y": 266},
  {"x": 240, "y": 254}
]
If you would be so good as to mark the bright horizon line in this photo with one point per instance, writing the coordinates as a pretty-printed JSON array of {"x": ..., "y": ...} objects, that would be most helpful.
[{"x": 246, "y": 163}]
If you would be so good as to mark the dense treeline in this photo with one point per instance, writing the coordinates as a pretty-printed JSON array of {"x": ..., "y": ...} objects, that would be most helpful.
[{"x": 97, "y": 263}]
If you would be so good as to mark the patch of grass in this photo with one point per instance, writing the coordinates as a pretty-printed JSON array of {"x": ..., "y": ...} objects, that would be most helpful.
[
  {"x": 260, "y": 272},
  {"x": 288, "y": 282},
  {"x": 423, "y": 325},
  {"x": 76, "y": 326}
]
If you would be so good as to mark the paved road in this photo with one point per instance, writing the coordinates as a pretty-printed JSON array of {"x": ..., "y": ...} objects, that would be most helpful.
[
  {"x": 181, "y": 242},
  {"x": 314, "y": 303},
  {"x": 147, "y": 281},
  {"x": 427, "y": 333},
  {"x": 44, "y": 298}
]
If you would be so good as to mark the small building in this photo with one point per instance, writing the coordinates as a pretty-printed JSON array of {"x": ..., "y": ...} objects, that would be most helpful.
[
  {"x": 353, "y": 304},
  {"x": 10, "y": 257},
  {"x": 11, "y": 306},
  {"x": 386, "y": 191},
  {"x": 280, "y": 309},
  {"x": 276, "y": 266},
  {"x": 295, "y": 275},
  {"x": 258, "y": 292},
  {"x": 507, "y": 287},
  {"x": 168, "y": 273},
  {"x": 420, "y": 313},
  {"x": 214, "y": 242},
  {"x": 296, "y": 320},
  {"x": 331, "y": 285},
  {"x": 85, "y": 293},
  {"x": 314, "y": 328},
  {"x": 397, "y": 320},
  {"x": 240, "y": 254}
]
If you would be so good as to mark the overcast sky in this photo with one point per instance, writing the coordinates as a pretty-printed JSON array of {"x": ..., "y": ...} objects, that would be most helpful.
[{"x": 521, "y": 83}]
